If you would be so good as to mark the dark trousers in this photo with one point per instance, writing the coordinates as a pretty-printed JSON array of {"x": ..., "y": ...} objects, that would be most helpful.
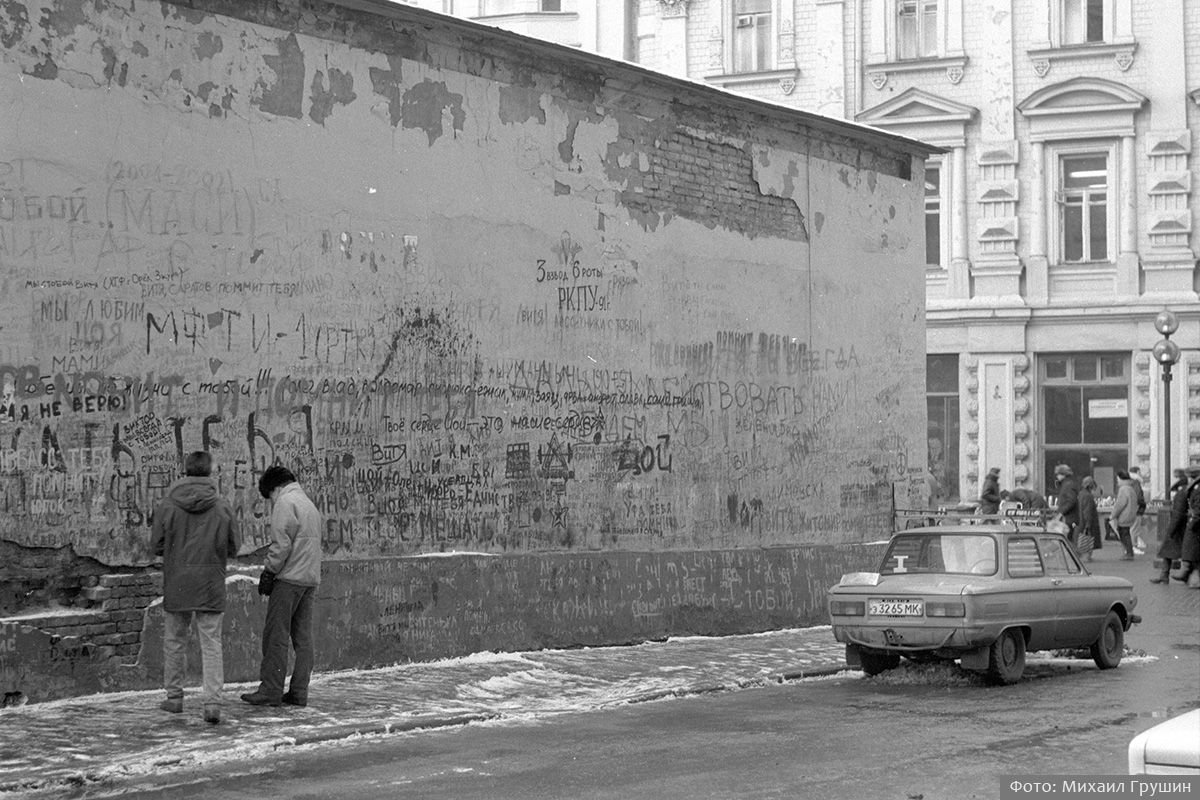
[
  {"x": 1126, "y": 539},
  {"x": 289, "y": 616}
]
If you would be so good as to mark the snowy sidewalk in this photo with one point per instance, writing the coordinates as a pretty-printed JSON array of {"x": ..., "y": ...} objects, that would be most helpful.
[{"x": 103, "y": 739}]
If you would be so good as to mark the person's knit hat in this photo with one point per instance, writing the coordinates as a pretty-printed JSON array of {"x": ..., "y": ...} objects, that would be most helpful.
[
  {"x": 1063, "y": 469},
  {"x": 994, "y": 471}
]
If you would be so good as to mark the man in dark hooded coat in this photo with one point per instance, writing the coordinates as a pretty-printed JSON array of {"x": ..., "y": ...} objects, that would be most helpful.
[{"x": 195, "y": 532}]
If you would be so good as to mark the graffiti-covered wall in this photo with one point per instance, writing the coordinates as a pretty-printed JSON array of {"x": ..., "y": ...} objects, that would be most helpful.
[{"x": 481, "y": 293}]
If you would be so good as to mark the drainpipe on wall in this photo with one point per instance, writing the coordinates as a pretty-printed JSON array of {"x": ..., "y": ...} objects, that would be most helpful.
[{"x": 858, "y": 60}]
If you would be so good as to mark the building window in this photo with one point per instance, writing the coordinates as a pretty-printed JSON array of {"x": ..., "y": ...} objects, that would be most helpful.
[
  {"x": 1081, "y": 21},
  {"x": 1084, "y": 207},
  {"x": 916, "y": 29},
  {"x": 941, "y": 398},
  {"x": 933, "y": 215},
  {"x": 752, "y": 50},
  {"x": 1085, "y": 413},
  {"x": 490, "y": 8},
  {"x": 907, "y": 35}
]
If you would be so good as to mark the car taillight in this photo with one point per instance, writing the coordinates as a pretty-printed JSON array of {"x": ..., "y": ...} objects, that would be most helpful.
[
  {"x": 945, "y": 609},
  {"x": 847, "y": 608}
]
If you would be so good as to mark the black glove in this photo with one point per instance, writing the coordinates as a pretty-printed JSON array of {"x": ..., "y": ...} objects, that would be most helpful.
[{"x": 266, "y": 582}]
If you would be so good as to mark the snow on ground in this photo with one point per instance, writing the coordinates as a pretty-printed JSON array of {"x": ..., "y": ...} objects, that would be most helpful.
[{"x": 109, "y": 737}]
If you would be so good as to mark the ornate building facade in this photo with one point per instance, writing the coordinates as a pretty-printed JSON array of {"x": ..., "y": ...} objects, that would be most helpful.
[{"x": 1060, "y": 220}]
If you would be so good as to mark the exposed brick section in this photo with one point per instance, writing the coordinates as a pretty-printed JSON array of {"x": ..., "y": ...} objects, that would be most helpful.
[
  {"x": 40, "y": 577},
  {"x": 96, "y": 593},
  {"x": 712, "y": 183},
  {"x": 113, "y": 629}
]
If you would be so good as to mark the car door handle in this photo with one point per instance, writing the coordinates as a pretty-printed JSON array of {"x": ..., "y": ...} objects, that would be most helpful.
[{"x": 1056, "y": 581}]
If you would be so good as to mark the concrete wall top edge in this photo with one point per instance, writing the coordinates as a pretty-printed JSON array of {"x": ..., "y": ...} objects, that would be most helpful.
[{"x": 336, "y": 19}]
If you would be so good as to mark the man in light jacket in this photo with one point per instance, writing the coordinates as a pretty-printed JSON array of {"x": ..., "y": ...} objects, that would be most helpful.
[
  {"x": 1124, "y": 512},
  {"x": 195, "y": 533},
  {"x": 290, "y": 577},
  {"x": 1139, "y": 525}
]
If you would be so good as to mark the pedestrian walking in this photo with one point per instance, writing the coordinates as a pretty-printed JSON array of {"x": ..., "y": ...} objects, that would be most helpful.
[
  {"x": 290, "y": 577},
  {"x": 1124, "y": 512},
  {"x": 935, "y": 498},
  {"x": 936, "y": 495},
  {"x": 989, "y": 494},
  {"x": 1139, "y": 524},
  {"x": 1067, "y": 507},
  {"x": 1189, "y": 549},
  {"x": 1172, "y": 542},
  {"x": 1089, "y": 519},
  {"x": 195, "y": 533}
]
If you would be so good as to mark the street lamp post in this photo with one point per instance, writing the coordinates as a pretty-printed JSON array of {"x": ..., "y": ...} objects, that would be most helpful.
[{"x": 1166, "y": 353}]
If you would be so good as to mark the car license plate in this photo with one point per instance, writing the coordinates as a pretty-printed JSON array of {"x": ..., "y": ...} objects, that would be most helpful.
[{"x": 896, "y": 608}]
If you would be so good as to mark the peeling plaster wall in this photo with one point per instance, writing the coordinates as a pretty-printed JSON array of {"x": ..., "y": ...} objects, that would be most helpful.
[{"x": 480, "y": 294}]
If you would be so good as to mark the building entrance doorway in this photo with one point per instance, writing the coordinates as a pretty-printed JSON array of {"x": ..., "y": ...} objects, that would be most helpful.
[{"x": 1085, "y": 416}]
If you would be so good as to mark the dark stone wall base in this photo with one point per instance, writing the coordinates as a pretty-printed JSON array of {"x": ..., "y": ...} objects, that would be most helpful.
[{"x": 380, "y": 612}]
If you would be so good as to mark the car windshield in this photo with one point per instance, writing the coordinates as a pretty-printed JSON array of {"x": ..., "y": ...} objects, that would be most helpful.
[{"x": 949, "y": 553}]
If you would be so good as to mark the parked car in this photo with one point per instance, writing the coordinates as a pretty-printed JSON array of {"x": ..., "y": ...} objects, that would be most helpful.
[
  {"x": 1169, "y": 748},
  {"x": 984, "y": 593}
]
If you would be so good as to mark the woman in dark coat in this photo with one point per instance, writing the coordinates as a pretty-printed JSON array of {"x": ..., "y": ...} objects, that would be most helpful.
[
  {"x": 989, "y": 495},
  {"x": 1068, "y": 498},
  {"x": 1089, "y": 520}
]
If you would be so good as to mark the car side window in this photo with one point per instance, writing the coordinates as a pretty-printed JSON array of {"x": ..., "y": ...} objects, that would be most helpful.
[
  {"x": 1023, "y": 559},
  {"x": 1056, "y": 558}
]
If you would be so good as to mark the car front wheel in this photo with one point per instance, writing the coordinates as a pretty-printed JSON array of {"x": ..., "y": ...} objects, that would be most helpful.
[
  {"x": 1006, "y": 659},
  {"x": 1108, "y": 649},
  {"x": 875, "y": 663}
]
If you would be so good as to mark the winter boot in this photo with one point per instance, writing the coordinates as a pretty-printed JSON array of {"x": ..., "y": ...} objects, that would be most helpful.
[
  {"x": 260, "y": 699},
  {"x": 1181, "y": 574},
  {"x": 173, "y": 705},
  {"x": 1164, "y": 575}
]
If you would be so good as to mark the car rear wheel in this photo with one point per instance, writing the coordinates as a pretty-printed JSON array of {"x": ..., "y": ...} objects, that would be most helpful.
[
  {"x": 1108, "y": 649},
  {"x": 1006, "y": 659},
  {"x": 875, "y": 663}
]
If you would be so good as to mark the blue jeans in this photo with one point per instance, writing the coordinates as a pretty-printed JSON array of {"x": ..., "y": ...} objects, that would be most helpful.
[
  {"x": 176, "y": 629},
  {"x": 289, "y": 616}
]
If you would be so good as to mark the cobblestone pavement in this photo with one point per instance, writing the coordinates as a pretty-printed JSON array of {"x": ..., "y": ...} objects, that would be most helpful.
[{"x": 101, "y": 740}]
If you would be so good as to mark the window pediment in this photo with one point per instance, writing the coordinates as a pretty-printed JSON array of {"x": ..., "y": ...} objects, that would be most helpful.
[
  {"x": 1081, "y": 107},
  {"x": 922, "y": 115}
]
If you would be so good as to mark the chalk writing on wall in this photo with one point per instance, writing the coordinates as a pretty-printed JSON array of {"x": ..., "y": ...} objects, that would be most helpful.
[{"x": 578, "y": 353}]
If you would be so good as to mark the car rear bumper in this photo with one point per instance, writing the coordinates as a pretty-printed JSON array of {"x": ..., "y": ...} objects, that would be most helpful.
[{"x": 926, "y": 638}]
